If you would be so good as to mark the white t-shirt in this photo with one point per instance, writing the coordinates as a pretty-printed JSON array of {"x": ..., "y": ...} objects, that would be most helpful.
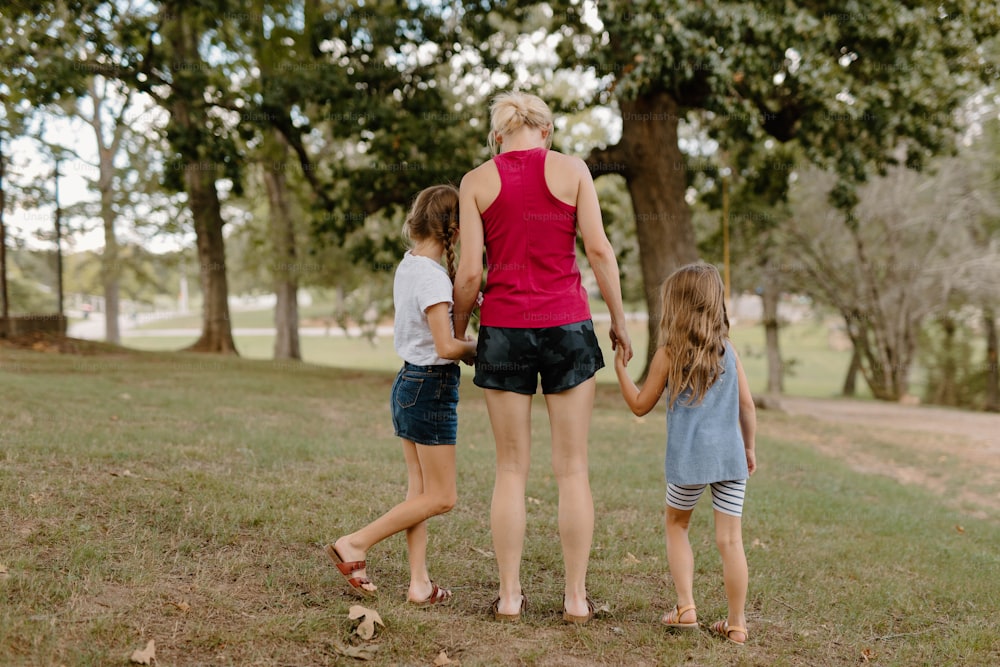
[{"x": 420, "y": 283}]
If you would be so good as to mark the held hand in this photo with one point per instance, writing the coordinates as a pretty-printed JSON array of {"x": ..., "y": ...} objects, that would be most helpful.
[{"x": 620, "y": 341}]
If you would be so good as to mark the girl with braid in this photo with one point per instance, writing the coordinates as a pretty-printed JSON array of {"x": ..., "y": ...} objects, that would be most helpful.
[{"x": 424, "y": 397}]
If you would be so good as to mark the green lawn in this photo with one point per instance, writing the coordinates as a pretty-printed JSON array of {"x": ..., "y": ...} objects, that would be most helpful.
[{"x": 185, "y": 498}]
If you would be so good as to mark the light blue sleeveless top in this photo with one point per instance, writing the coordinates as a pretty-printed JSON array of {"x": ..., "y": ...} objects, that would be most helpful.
[{"x": 704, "y": 441}]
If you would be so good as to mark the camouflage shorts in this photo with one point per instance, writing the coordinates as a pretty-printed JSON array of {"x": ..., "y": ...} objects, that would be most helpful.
[{"x": 512, "y": 359}]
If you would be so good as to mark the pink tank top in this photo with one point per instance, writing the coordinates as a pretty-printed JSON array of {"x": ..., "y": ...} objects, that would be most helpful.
[{"x": 532, "y": 279}]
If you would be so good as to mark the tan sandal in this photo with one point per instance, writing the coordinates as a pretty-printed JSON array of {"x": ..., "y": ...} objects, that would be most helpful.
[
  {"x": 723, "y": 629},
  {"x": 672, "y": 619},
  {"x": 580, "y": 620}
]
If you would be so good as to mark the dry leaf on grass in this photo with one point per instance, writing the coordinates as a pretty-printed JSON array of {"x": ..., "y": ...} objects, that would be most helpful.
[
  {"x": 3, "y": 571},
  {"x": 180, "y": 604},
  {"x": 146, "y": 656},
  {"x": 630, "y": 558},
  {"x": 867, "y": 655},
  {"x": 481, "y": 552},
  {"x": 443, "y": 660},
  {"x": 366, "y": 652},
  {"x": 366, "y": 629},
  {"x": 959, "y": 529}
]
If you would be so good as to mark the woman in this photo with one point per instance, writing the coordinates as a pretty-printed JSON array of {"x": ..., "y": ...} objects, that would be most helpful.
[{"x": 526, "y": 206}]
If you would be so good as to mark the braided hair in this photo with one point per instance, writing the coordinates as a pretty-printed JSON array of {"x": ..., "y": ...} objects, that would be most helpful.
[{"x": 434, "y": 215}]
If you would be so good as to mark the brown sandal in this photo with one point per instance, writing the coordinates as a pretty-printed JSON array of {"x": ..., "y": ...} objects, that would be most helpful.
[
  {"x": 349, "y": 568},
  {"x": 672, "y": 619},
  {"x": 509, "y": 618},
  {"x": 580, "y": 620},
  {"x": 723, "y": 629},
  {"x": 437, "y": 596}
]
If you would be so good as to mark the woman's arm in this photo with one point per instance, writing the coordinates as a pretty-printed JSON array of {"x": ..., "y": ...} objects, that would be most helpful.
[
  {"x": 601, "y": 256},
  {"x": 445, "y": 344},
  {"x": 641, "y": 401},
  {"x": 469, "y": 274}
]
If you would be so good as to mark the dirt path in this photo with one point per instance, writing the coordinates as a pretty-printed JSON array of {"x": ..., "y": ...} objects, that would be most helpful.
[
  {"x": 953, "y": 453},
  {"x": 977, "y": 426}
]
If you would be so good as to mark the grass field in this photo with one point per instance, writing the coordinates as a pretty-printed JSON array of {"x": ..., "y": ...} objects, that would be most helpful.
[{"x": 185, "y": 499}]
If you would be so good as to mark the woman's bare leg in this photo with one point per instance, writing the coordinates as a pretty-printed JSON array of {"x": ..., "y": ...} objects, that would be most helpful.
[
  {"x": 510, "y": 418},
  {"x": 569, "y": 419}
]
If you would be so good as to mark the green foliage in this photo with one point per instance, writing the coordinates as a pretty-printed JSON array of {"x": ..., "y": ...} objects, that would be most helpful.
[
  {"x": 951, "y": 352},
  {"x": 849, "y": 84}
]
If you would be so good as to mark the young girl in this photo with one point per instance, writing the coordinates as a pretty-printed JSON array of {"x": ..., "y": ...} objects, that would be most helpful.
[
  {"x": 424, "y": 398},
  {"x": 711, "y": 423}
]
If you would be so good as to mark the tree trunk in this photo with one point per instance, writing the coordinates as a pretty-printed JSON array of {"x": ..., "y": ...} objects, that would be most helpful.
[
  {"x": 656, "y": 173},
  {"x": 769, "y": 302},
  {"x": 850, "y": 388},
  {"x": 992, "y": 372},
  {"x": 203, "y": 198},
  {"x": 190, "y": 139},
  {"x": 110, "y": 264},
  {"x": 284, "y": 271},
  {"x": 4, "y": 295}
]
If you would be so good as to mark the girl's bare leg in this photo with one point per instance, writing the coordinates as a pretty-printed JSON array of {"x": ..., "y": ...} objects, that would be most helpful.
[
  {"x": 680, "y": 558},
  {"x": 431, "y": 491},
  {"x": 729, "y": 539}
]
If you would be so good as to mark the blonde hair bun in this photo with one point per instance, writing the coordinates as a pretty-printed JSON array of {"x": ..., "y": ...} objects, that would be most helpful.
[{"x": 511, "y": 111}]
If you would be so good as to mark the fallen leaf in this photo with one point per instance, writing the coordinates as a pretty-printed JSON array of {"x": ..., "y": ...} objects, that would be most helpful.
[
  {"x": 960, "y": 529},
  {"x": 603, "y": 608},
  {"x": 481, "y": 552},
  {"x": 535, "y": 501},
  {"x": 443, "y": 660},
  {"x": 3, "y": 571},
  {"x": 630, "y": 558},
  {"x": 366, "y": 652},
  {"x": 757, "y": 543},
  {"x": 366, "y": 629},
  {"x": 146, "y": 656},
  {"x": 183, "y": 606},
  {"x": 114, "y": 418},
  {"x": 867, "y": 655}
]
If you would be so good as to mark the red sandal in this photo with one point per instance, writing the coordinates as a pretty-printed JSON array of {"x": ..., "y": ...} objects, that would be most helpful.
[
  {"x": 437, "y": 596},
  {"x": 349, "y": 568}
]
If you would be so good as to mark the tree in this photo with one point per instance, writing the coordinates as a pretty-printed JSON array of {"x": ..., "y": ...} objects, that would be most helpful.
[
  {"x": 843, "y": 84},
  {"x": 900, "y": 258}
]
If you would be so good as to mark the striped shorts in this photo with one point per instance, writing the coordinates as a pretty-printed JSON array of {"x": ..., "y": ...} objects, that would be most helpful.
[{"x": 727, "y": 497}]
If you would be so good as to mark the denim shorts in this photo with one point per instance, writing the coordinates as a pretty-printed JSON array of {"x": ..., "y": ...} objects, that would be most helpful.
[
  {"x": 424, "y": 403},
  {"x": 511, "y": 359}
]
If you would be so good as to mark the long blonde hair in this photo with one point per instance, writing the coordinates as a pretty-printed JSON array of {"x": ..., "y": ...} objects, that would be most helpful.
[
  {"x": 511, "y": 111},
  {"x": 434, "y": 214},
  {"x": 694, "y": 328}
]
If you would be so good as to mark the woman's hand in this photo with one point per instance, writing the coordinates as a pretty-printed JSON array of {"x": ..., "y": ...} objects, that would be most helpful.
[{"x": 621, "y": 342}]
